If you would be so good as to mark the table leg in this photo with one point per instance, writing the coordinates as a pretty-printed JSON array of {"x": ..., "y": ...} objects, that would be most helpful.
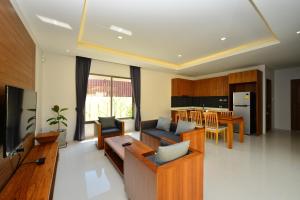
[
  {"x": 229, "y": 135},
  {"x": 241, "y": 131}
]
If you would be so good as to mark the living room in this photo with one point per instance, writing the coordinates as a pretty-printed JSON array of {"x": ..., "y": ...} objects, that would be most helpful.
[{"x": 133, "y": 68}]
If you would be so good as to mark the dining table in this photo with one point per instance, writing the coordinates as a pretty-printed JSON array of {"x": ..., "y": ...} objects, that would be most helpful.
[{"x": 230, "y": 121}]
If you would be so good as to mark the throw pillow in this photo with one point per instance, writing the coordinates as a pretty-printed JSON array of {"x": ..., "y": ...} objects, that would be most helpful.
[
  {"x": 163, "y": 124},
  {"x": 184, "y": 126},
  {"x": 172, "y": 152},
  {"x": 107, "y": 122}
]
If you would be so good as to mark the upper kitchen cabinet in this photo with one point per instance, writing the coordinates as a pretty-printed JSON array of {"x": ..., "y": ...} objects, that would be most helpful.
[
  {"x": 243, "y": 77},
  {"x": 217, "y": 86},
  {"x": 182, "y": 87}
]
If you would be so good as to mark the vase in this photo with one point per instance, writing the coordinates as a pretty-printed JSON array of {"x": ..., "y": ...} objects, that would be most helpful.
[{"x": 62, "y": 138}]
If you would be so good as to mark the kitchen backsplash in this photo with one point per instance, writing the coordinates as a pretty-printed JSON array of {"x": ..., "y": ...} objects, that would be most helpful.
[{"x": 186, "y": 101}]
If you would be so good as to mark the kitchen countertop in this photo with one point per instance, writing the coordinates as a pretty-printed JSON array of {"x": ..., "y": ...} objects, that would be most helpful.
[{"x": 194, "y": 108}]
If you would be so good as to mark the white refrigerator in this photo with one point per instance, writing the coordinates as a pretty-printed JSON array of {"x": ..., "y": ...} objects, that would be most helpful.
[{"x": 244, "y": 105}]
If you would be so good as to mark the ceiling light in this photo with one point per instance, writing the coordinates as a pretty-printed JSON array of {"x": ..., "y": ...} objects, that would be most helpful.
[
  {"x": 120, "y": 37},
  {"x": 179, "y": 55},
  {"x": 298, "y": 32},
  {"x": 68, "y": 50},
  {"x": 223, "y": 38},
  {"x": 120, "y": 30},
  {"x": 54, "y": 22}
]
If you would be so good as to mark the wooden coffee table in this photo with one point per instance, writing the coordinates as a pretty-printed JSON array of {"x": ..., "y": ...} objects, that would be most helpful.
[{"x": 115, "y": 152}]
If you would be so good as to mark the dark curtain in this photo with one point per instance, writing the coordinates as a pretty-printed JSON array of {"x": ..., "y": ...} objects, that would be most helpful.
[
  {"x": 135, "y": 74},
  {"x": 82, "y": 75}
]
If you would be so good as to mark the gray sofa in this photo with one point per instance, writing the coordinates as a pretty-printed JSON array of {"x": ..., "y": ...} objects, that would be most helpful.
[{"x": 154, "y": 137}]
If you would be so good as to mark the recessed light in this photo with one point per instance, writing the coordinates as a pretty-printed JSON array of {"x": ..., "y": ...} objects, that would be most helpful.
[
  {"x": 179, "y": 55},
  {"x": 120, "y": 37},
  {"x": 298, "y": 32},
  {"x": 120, "y": 30},
  {"x": 223, "y": 38},
  {"x": 68, "y": 50},
  {"x": 54, "y": 22}
]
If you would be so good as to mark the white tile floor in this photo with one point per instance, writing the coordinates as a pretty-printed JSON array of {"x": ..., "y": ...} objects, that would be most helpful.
[{"x": 262, "y": 168}]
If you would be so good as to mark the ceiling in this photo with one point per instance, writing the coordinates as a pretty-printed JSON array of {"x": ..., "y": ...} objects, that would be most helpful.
[{"x": 257, "y": 32}]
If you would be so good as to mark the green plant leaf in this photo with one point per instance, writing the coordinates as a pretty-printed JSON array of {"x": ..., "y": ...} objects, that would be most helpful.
[
  {"x": 55, "y": 108},
  {"x": 29, "y": 126},
  {"x": 52, "y": 118},
  {"x": 63, "y": 109},
  {"x": 63, "y": 117},
  {"x": 64, "y": 123},
  {"x": 30, "y": 119},
  {"x": 53, "y": 122}
]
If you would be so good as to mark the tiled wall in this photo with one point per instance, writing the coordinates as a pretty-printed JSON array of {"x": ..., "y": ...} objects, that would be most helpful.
[{"x": 185, "y": 101}]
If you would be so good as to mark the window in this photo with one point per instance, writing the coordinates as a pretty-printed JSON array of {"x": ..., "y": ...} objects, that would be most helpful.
[{"x": 108, "y": 96}]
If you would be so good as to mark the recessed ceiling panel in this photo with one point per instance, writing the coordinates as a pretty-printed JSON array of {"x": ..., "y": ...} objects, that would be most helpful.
[{"x": 163, "y": 29}]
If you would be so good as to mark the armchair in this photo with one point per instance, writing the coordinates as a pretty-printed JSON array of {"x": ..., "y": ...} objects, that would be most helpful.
[
  {"x": 180, "y": 179},
  {"x": 108, "y": 132}
]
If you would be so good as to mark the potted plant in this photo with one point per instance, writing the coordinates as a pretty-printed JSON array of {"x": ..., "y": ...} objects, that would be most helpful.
[{"x": 59, "y": 120}]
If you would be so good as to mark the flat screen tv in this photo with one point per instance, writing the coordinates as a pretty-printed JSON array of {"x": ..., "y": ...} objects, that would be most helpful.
[{"x": 19, "y": 118}]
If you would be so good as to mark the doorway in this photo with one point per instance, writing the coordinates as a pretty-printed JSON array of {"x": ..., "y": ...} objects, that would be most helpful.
[{"x": 295, "y": 104}]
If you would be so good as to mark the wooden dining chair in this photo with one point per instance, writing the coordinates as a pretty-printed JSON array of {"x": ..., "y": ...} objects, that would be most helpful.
[
  {"x": 226, "y": 114},
  {"x": 181, "y": 115},
  {"x": 193, "y": 116},
  {"x": 200, "y": 118},
  {"x": 212, "y": 126}
]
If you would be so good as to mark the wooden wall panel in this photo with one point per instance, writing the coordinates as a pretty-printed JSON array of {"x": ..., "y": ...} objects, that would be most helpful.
[
  {"x": 17, "y": 50},
  {"x": 17, "y": 68}
]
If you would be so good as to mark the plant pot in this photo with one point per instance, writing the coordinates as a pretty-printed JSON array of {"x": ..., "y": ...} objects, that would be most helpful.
[{"x": 62, "y": 138}]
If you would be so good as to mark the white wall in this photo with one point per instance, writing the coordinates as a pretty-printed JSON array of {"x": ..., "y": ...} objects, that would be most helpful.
[
  {"x": 155, "y": 94},
  {"x": 282, "y": 96},
  {"x": 38, "y": 86},
  {"x": 57, "y": 86}
]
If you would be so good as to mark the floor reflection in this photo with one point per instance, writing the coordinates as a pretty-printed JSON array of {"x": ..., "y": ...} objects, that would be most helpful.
[{"x": 95, "y": 185}]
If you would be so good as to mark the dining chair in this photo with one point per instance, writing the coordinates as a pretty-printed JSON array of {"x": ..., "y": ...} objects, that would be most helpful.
[
  {"x": 226, "y": 114},
  {"x": 212, "y": 126},
  {"x": 181, "y": 115},
  {"x": 193, "y": 116},
  {"x": 200, "y": 118}
]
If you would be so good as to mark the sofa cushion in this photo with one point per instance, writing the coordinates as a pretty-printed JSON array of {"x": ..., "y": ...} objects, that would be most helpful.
[
  {"x": 108, "y": 131},
  {"x": 172, "y": 152},
  {"x": 107, "y": 122},
  {"x": 158, "y": 133},
  {"x": 163, "y": 124},
  {"x": 184, "y": 126}
]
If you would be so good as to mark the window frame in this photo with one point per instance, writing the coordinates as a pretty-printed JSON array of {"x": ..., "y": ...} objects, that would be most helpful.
[{"x": 111, "y": 96}]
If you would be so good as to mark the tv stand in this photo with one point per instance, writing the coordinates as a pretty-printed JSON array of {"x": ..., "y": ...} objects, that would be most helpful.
[{"x": 32, "y": 181}]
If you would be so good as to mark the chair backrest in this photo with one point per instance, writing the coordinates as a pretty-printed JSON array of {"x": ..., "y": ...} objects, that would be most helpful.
[
  {"x": 226, "y": 114},
  {"x": 200, "y": 117},
  {"x": 211, "y": 120},
  {"x": 181, "y": 115},
  {"x": 194, "y": 116}
]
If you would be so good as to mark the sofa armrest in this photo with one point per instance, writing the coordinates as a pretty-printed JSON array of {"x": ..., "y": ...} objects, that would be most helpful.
[
  {"x": 120, "y": 125},
  {"x": 148, "y": 124},
  {"x": 98, "y": 127},
  {"x": 196, "y": 137}
]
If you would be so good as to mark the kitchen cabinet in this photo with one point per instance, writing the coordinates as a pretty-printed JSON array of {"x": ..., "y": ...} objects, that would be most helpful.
[
  {"x": 243, "y": 77},
  {"x": 182, "y": 87},
  {"x": 217, "y": 86}
]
